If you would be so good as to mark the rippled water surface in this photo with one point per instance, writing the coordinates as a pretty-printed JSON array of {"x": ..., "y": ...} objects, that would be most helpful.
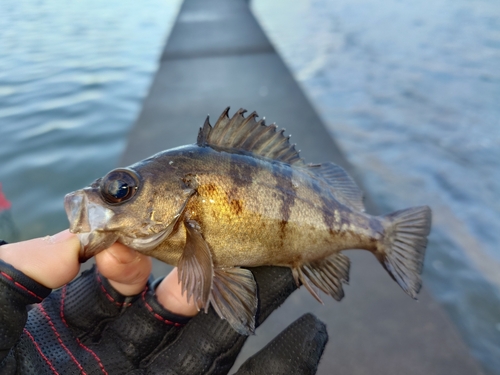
[
  {"x": 72, "y": 77},
  {"x": 409, "y": 90}
]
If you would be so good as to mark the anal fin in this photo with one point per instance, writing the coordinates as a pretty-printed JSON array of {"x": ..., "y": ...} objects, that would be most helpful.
[
  {"x": 327, "y": 274},
  {"x": 195, "y": 267},
  {"x": 234, "y": 298}
]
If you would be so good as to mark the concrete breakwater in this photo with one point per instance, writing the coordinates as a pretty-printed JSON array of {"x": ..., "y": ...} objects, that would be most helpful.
[{"x": 217, "y": 56}]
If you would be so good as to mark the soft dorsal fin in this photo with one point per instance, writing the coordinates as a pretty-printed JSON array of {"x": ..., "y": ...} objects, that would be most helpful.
[
  {"x": 342, "y": 185},
  {"x": 240, "y": 133}
]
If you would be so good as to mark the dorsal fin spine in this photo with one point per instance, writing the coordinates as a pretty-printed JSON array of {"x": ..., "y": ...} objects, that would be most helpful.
[
  {"x": 282, "y": 154},
  {"x": 245, "y": 127},
  {"x": 219, "y": 126},
  {"x": 203, "y": 133},
  {"x": 270, "y": 145},
  {"x": 260, "y": 147},
  {"x": 223, "y": 117},
  {"x": 234, "y": 120},
  {"x": 286, "y": 156},
  {"x": 250, "y": 142},
  {"x": 275, "y": 149},
  {"x": 284, "y": 140},
  {"x": 240, "y": 133}
]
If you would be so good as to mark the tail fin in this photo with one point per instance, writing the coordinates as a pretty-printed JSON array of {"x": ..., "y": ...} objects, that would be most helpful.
[{"x": 404, "y": 246}]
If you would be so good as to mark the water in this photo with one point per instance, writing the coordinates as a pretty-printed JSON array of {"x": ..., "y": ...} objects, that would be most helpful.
[
  {"x": 72, "y": 77},
  {"x": 410, "y": 91}
]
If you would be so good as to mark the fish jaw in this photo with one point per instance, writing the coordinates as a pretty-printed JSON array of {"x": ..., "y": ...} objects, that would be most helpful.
[
  {"x": 75, "y": 205},
  {"x": 89, "y": 220},
  {"x": 93, "y": 243}
]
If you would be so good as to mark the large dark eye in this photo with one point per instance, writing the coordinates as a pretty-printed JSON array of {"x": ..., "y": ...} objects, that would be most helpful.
[{"x": 119, "y": 186}]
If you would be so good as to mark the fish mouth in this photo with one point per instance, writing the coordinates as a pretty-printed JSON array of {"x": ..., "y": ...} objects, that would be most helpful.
[
  {"x": 88, "y": 220},
  {"x": 75, "y": 205}
]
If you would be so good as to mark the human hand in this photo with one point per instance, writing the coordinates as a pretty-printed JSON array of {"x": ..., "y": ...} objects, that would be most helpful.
[
  {"x": 99, "y": 323},
  {"x": 53, "y": 262}
]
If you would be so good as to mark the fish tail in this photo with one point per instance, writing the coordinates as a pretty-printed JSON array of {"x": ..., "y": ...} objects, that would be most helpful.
[{"x": 403, "y": 246}]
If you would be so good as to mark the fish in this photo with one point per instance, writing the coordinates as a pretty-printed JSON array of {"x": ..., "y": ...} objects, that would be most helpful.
[{"x": 242, "y": 197}]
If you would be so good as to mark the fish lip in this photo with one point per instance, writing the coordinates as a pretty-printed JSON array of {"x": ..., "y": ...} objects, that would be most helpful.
[
  {"x": 84, "y": 215},
  {"x": 89, "y": 221},
  {"x": 75, "y": 205}
]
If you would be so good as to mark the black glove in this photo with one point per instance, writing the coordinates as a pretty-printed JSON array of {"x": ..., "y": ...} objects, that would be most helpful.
[{"x": 87, "y": 327}]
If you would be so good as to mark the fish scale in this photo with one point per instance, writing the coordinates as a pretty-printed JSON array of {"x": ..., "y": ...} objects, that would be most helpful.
[{"x": 242, "y": 197}]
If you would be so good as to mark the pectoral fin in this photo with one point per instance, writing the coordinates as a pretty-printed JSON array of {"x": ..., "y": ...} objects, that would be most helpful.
[
  {"x": 234, "y": 298},
  {"x": 195, "y": 267},
  {"x": 231, "y": 291},
  {"x": 327, "y": 274}
]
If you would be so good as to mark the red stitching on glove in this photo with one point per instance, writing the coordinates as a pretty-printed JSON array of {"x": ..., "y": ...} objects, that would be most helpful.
[
  {"x": 63, "y": 296},
  {"x": 40, "y": 351},
  {"x": 157, "y": 316},
  {"x": 96, "y": 357},
  {"x": 10, "y": 278},
  {"x": 60, "y": 340},
  {"x": 109, "y": 296},
  {"x": 93, "y": 355}
]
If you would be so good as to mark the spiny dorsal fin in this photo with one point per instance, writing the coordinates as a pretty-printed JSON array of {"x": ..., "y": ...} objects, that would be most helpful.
[
  {"x": 342, "y": 185},
  {"x": 240, "y": 133}
]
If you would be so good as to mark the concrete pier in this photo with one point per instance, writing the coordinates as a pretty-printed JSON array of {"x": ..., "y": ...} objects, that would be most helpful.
[{"x": 217, "y": 56}]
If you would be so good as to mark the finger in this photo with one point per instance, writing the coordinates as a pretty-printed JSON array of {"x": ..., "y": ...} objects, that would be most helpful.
[
  {"x": 169, "y": 294},
  {"x": 208, "y": 344},
  {"x": 295, "y": 351},
  {"x": 52, "y": 261},
  {"x": 126, "y": 269}
]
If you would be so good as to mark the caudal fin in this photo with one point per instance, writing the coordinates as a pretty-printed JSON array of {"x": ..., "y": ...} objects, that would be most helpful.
[{"x": 403, "y": 250}]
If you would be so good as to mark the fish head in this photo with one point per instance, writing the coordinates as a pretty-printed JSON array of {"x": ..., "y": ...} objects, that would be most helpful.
[{"x": 137, "y": 206}]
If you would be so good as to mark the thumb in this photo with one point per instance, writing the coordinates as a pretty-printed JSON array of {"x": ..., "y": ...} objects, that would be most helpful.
[{"x": 52, "y": 261}]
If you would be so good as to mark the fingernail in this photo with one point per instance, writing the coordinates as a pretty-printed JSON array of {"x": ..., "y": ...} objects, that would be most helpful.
[{"x": 61, "y": 236}]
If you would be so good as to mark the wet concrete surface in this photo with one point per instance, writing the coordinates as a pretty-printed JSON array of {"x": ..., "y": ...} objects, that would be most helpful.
[{"x": 217, "y": 56}]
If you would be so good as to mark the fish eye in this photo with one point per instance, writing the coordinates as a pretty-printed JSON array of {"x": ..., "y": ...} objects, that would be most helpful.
[{"x": 119, "y": 186}]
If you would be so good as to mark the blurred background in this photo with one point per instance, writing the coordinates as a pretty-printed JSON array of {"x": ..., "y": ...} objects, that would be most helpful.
[{"x": 409, "y": 90}]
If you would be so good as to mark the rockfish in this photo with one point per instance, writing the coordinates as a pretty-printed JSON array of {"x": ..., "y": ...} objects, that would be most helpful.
[{"x": 242, "y": 197}]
